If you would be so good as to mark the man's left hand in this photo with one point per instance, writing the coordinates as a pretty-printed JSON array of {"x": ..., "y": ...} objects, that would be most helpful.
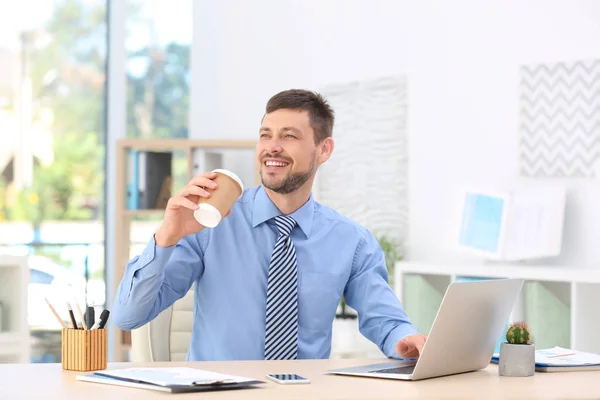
[{"x": 411, "y": 346}]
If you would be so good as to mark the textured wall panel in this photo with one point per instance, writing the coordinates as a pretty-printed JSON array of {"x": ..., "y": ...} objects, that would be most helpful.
[
  {"x": 560, "y": 119},
  {"x": 366, "y": 177}
]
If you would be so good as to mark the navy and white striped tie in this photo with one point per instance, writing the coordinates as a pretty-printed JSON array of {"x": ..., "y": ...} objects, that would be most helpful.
[{"x": 281, "y": 337}]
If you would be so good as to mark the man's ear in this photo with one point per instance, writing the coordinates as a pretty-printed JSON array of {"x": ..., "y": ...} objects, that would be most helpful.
[{"x": 325, "y": 149}]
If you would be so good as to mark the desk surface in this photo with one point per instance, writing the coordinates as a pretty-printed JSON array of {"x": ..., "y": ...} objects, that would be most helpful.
[{"x": 49, "y": 381}]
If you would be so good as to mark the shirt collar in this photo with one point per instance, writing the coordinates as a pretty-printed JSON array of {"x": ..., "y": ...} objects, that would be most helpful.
[{"x": 264, "y": 209}]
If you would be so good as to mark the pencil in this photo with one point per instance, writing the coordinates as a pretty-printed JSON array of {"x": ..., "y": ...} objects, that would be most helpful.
[
  {"x": 79, "y": 314},
  {"x": 56, "y": 314}
]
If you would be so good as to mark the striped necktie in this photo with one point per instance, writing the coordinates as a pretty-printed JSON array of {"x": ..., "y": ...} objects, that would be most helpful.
[{"x": 281, "y": 337}]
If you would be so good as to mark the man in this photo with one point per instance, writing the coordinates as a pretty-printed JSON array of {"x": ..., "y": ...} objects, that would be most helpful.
[{"x": 270, "y": 276}]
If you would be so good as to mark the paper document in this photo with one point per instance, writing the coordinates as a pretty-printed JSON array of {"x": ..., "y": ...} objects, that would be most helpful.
[
  {"x": 561, "y": 357},
  {"x": 558, "y": 356},
  {"x": 174, "y": 376}
]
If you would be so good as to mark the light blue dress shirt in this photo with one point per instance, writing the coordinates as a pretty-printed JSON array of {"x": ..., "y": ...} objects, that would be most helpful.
[{"x": 229, "y": 265}]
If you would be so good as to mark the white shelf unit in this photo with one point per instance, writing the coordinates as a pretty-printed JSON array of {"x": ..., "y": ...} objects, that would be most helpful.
[
  {"x": 14, "y": 335},
  {"x": 559, "y": 303}
]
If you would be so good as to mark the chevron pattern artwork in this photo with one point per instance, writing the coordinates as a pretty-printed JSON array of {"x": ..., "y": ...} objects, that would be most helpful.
[
  {"x": 560, "y": 119},
  {"x": 366, "y": 176}
]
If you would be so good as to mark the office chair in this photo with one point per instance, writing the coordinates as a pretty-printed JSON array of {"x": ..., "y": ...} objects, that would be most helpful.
[{"x": 168, "y": 336}]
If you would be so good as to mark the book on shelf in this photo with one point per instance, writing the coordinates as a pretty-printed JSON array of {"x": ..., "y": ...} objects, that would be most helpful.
[
  {"x": 149, "y": 180},
  {"x": 559, "y": 359}
]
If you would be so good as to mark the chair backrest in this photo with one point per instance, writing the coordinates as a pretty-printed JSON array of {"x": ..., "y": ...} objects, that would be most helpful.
[{"x": 167, "y": 337}]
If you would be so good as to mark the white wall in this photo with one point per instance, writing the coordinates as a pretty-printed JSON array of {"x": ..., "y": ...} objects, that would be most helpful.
[
  {"x": 248, "y": 50},
  {"x": 462, "y": 60}
]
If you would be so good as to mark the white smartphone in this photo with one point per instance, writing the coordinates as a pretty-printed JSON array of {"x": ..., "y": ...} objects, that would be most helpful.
[{"x": 287, "y": 379}]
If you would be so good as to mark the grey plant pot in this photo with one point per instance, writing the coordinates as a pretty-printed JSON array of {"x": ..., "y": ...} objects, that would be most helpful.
[{"x": 516, "y": 359}]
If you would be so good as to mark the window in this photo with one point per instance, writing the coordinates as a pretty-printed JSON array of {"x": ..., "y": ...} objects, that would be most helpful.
[
  {"x": 52, "y": 86},
  {"x": 159, "y": 34}
]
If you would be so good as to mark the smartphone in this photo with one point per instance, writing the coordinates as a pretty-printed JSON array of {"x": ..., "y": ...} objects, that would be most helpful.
[{"x": 287, "y": 379}]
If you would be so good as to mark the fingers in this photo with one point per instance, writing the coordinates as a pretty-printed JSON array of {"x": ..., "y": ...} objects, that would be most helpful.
[
  {"x": 194, "y": 190},
  {"x": 204, "y": 180},
  {"x": 411, "y": 351},
  {"x": 403, "y": 348},
  {"x": 198, "y": 185},
  {"x": 420, "y": 345},
  {"x": 410, "y": 346},
  {"x": 180, "y": 201}
]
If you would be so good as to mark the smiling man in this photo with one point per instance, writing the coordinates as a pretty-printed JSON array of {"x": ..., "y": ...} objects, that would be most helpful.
[{"x": 270, "y": 276}]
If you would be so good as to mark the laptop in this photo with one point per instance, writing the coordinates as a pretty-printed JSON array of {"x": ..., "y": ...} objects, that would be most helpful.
[{"x": 463, "y": 337}]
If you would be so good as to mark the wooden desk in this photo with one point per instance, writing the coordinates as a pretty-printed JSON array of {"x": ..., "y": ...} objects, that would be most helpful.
[{"x": 49, "y": 381}]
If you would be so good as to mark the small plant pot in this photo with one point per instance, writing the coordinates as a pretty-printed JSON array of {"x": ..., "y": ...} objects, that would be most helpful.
[{"x": 516, "y": 359}]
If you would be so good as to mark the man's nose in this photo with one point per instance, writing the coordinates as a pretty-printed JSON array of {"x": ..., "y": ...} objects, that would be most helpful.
[{"x": 274, "y": 147}]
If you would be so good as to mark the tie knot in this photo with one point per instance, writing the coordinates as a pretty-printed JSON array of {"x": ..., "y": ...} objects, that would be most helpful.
[{"x": 285, "y": 224}]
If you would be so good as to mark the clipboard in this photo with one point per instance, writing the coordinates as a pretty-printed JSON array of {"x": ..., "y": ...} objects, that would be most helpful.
[{"x": 174, "y": 380}]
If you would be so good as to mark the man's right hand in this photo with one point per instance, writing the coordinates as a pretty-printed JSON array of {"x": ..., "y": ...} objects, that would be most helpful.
[{"x": 179, "y": 218}]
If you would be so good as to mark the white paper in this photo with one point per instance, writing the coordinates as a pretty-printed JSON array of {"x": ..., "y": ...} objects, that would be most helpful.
[
  {"x": 175, "y": 376},
  {"x": 558, "y": 356}
]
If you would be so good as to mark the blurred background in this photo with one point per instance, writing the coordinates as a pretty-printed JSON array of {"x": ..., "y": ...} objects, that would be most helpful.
[
  {"x": 53, "y": 136},
  {"x": 452, "y": 119}
]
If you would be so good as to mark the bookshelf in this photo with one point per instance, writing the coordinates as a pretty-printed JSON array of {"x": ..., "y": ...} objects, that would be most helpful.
[
  {"x": 559, "y": 303},
  {"x": 149, "y": 171},
  {"x": 14, "y": 329}
]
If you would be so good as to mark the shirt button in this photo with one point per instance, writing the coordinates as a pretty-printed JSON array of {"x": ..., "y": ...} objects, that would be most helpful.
[{"x": 148, "y": 256}]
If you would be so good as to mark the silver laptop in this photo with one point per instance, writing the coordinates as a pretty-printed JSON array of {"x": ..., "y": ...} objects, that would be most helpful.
[{"x": 464, "y": 334}]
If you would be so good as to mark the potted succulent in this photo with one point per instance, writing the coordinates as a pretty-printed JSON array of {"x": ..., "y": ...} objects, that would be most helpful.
[{"x": 517, "y": 354}]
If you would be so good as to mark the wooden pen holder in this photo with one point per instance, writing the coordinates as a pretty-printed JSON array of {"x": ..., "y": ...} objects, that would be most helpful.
[{"x": 84, "y": 350}]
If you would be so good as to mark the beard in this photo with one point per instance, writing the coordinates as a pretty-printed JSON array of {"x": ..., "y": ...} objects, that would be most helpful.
[{"x": 292, "y": 181}]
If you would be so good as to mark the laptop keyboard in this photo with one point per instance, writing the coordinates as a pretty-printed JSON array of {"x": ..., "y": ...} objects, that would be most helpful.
[{"x": 396, "y": 370}]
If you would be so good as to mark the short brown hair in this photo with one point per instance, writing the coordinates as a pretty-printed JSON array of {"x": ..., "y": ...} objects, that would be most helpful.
[{"x": 319, "y": 111}]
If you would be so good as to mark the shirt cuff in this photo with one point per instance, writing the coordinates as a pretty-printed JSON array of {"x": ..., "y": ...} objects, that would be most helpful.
[
  {"x": 397, "y": 334},
  {"x": 149, "y": 264},
  {"x": 153, "y": 259}
]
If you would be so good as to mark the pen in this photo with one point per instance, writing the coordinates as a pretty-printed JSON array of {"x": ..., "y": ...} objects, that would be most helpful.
[
  {"x": 80, "y": 315},
  {"x": 90, "y": 318},
  {"x": 102, "y": 320},
  {"x": 72, "y": 316},
  {"x": 55, "y": 313}
]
